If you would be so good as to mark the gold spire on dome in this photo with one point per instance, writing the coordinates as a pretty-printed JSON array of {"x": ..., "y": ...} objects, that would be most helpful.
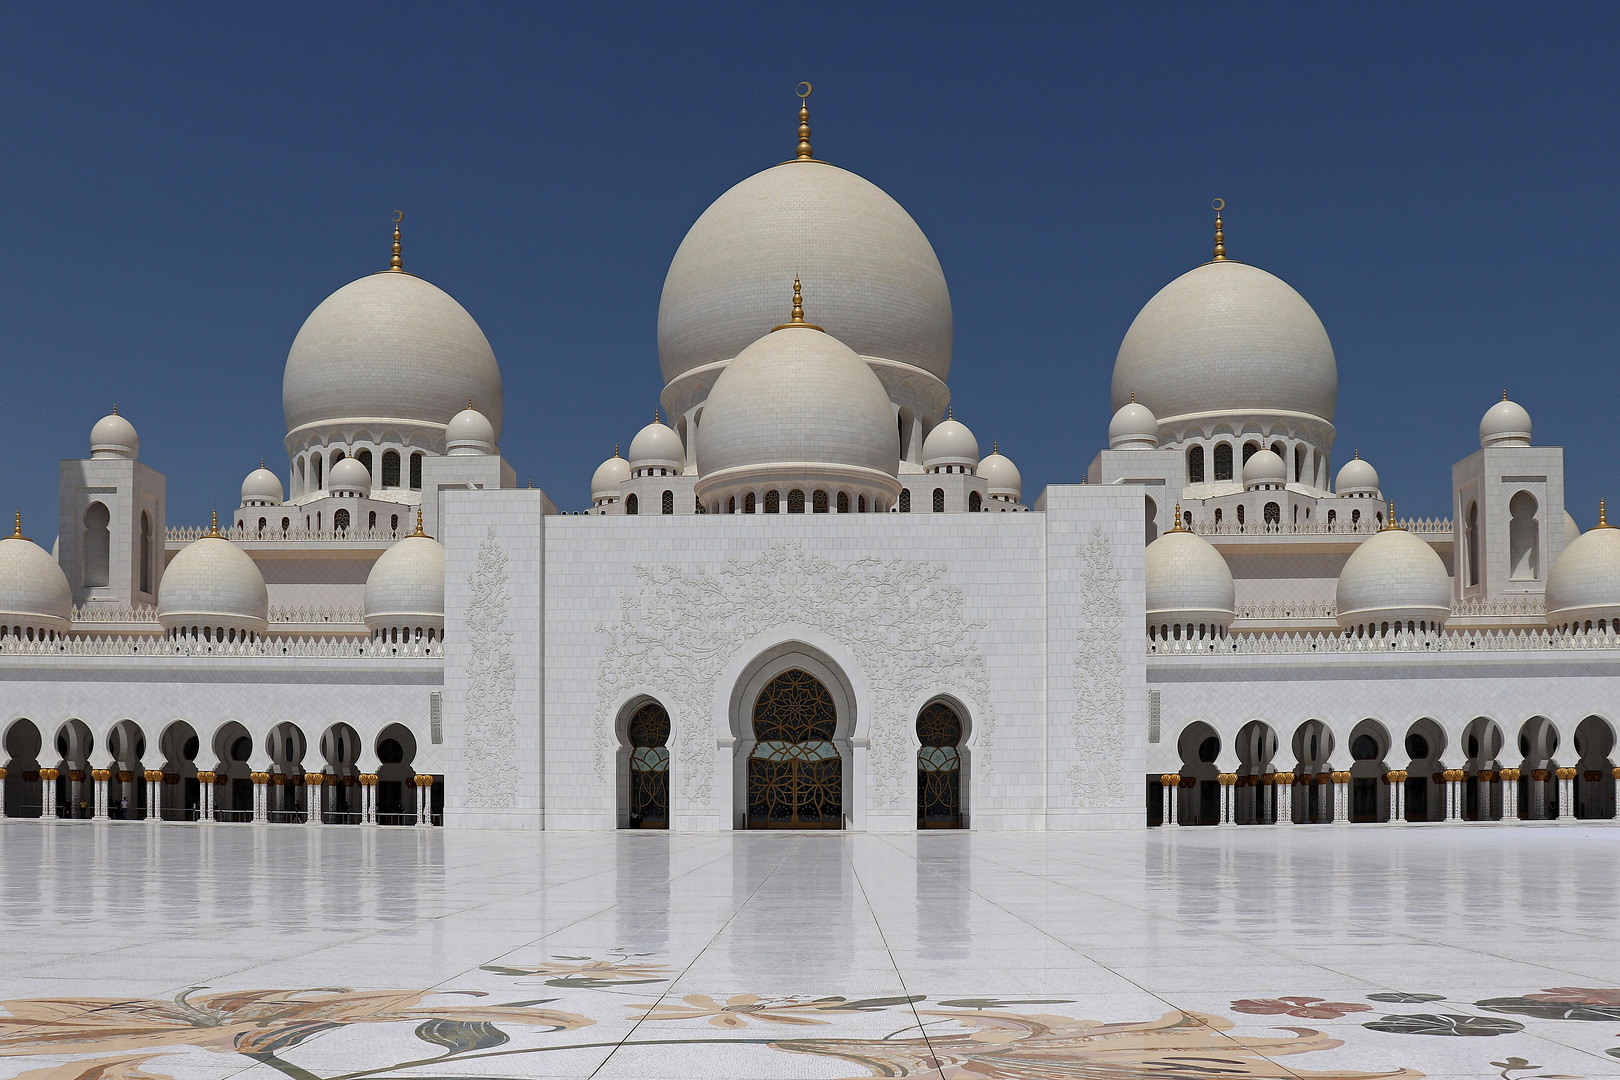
[
  {"x": 213, "y": 530},
  {"x": 1177, "y": 526},
  {"x": 261, "y": 463},
  {"x": 797, "y": 322},
  {"x": 115, "y": 407},
  {"x": 397, "y": 264},
  {"x": 615, "y": 449},
  {"x": 1603, "y": 518},
  {"x": 949, "y": 413},
  {"x": 804, "y": 123},
  {"x": 16, "y": 533},
  {"x": 418, "y": 531},
  {"x": 1392, "y": 523},
  {"x": 1504, "y": 395},
  {"x": 1220, "y": 231}
]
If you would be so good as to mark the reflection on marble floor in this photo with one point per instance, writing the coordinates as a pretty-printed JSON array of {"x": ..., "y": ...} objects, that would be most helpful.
[{"x": 142, "y": 952}]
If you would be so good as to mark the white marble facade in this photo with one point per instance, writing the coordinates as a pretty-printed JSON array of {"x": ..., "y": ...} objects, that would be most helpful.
[{"x": 406, "y": 637}]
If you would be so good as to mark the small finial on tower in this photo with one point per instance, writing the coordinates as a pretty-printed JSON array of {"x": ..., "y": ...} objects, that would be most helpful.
[
  {"x": 397, "y": 264},
  {"x": 798, "y": 310},
  {"x": 1220, "y": 232},
  {"x": 213, "y": 529},
  {"x": 949, "y": 413},
  {"x": 804, "y": 123},
  {"x": 1392, "y": 523},
  {"x": 995, "y": 448},
  {"x": 615, "y": 449},
  {"x": 1358, "y": 455},
  {"x": 419, "y": 531},
  {"x": 1133, "y": 397},
  {"x": 469, "y": 403},
  {"x": 16, "y": 533},
  {"x": 261, "y": 463},
  {"x": 1603, "y": 518},
  {"x": 1177, "y": 526},
  {"x": 1504, "y": 395},
  {"x": 115, "y": 407}
]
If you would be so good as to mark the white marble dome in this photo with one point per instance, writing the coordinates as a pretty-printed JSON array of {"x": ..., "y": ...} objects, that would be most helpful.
[
  {"x": 469, "y": 432},
  {"x": 1393, "y": 575},
  {"x": 34, "y": 593},
  {"x": 1134, "y": 427},
  {"x": 406, "y": 586},
  {"x": 605, "y": 481},
  {"x": 657, "y": 446},
  {"x": 1585, "y": 581},
  {"x": 1187, "y": 581},
  {"x": 1227, "y": 339},
  {"x": 798, "y": 403},
  {"x": 950, "y": 444},
  {"x": 877, "y": 285},
  {"x": 212, "y": 582},
  {"x": 114, "y": 437},
  {"x": 1357, "y": 477},
  {"x": 261, "y": 488},
  {"x": 1506, "y": 423},
  {"x": 349, "y": 477},
  {"x": 1264, "y": 469},
  {"x": 389, "y": 346},
  {"x": 1002, "y": 475}
]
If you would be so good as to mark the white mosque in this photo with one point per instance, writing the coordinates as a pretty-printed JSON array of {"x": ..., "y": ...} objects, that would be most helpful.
[{"x": 808, "y": 600}]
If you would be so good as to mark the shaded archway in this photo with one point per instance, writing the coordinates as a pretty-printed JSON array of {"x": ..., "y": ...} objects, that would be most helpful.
[
  {"x": 1254, "y": 797},
  {"x": 940, "y": 731},
  {"x": 397, "y": 793},
  {"x": 1425, "y": 798},
  {"x": 75, "y": 789},
  {"x": 126, "y": 790},
  {"x": 179, "y": 796},
  {"x": 1313, "y": 786},
  {"x": 1198, "y": 800},
  {"x": 1594, "y": 775},
  {"x": 1538, "y": 789},
  {"x": 795, "y": 774},
  {"x": 233, "y": 776},
  {"x": 644, "y": 739},
  {"x": 339, "y": 801},
  {"x": 1482, "y": 741},
  {"x": 285, "y": 791},
  {"x": 25, "y": 795},
  {"x": 1369, "y": 795}
]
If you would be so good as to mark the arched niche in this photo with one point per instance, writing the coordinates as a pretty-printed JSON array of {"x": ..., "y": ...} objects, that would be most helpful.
[
  {"x": 927, "y": 730},
  {"x": 24, "y": 793},
  {"x": 1594, "y": 769},
  {"x": 1424, "y": 744},
  {"x": 1370, "y": 745},
  {"x": 1254, "y": 800},
  {"x": 643, "y": 770},
  {"x": 233, "y": 774},
  {"x": 1198, "y": 800}
]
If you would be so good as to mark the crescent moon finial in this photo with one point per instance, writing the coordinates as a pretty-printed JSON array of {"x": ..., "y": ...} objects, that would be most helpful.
[
  {"x": 1220, "y": 234},
  {"x": 804, "y": 123},
  {"x": 397, "y": 264}
]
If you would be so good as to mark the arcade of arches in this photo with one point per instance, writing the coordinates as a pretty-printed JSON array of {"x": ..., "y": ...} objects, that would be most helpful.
[
  {"x": 180, "y": 776},
  {"x": 1483, "y": 772}
]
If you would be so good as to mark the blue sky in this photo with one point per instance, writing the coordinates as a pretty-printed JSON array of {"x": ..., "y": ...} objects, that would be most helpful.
[{"x": 181, "y": 185}]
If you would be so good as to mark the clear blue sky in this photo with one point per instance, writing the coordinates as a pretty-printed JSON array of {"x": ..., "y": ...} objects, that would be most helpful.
[{"x": 180, "y": 186}]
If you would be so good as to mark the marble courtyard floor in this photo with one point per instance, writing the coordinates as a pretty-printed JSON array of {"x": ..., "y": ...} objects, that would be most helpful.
[{"x": 135, "y": 951}]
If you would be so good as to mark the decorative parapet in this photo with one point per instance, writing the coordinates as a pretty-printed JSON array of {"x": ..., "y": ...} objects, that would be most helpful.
[
  {"x": 91, "y": 613},
  {"x": 1527, "y": 607},
  {"x": 146, "y": 614},
  {"x": 145, "y": 645},
  {"x": 1531, "y": 606},
  {"x": 1450, "y": 641},
  {"x": 1283, "y": 612},
  {"x": 317, "y": 616},
  {"x": 182, "y": 533},
  {"x": 1434, "y": 527}
]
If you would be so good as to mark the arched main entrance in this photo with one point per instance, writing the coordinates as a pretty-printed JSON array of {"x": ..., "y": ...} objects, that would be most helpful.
[
  {"x": 795, "y": 776},
  {"x": 939, "y": 767},
  {"x": 648, "y": 733}
]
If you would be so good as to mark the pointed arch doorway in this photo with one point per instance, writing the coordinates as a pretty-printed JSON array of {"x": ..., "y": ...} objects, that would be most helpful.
[{"x": 795, "y": 774}]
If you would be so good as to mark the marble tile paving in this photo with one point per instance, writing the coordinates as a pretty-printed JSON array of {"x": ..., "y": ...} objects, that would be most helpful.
[{"x": 136, "y": 951}]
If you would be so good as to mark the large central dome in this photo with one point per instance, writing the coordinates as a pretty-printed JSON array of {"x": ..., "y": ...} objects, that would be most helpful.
[
  {"x": 389, "y": 347},
  {"x": 1227, "y": 339},
  {"x": 878, "y": 285}
]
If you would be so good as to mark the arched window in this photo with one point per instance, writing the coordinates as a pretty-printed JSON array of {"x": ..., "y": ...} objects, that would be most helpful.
[
  {"x": 698, "y": 507},
  {"x": 1195, "y": 464},
  {"x": 393, "y": 523},
  {"x": 1524, "y": 536},
  {"x": 340, "y": 521},
  {"x": 795, "y": 501},
  {"x": 1186, "y": 519},
  {"x": 649, "y": 767},
  {"x": 416, "y": 472},
  {"x": 364, "y": 458},
  {"x": 299, "y": 483},
  {"x": 1471, "y": 539},
  {"x": 97, "y": 546},
  {"x": 146, "y": 550},
  {"x": 748, "y": 503},
  {"x": 1273, "y": 514},
  {"x": 1217, "y": 515},
  {"x": 1240, "y": 513},
  {"x": 1250, "y": 449},
  {"x": 818, "y": 502},
  {"x": 668, "y": 503},
  {"x": 1355, "y": 517},
  {"x": 731, "y": 505},
  {"x": 261, "y": 531},
  {"x": 939, "y": 500},
  {"x": 1223, "y": 461},
  {"x": 773, "y": 502},
  {"x": 337, "y": 456},
  {"x": 975, "y": 504},
  {"x": 939, "y": 767},
  {"x": 905, "y": 500},
  {"x": 1299, "y": 464},
  {"x": 843, "y": 502},
  {"x": 1280, "y": 450},
  {"x": 795, "y": 776},
  {"x": 285, "y": 524},
  {"x": 632, "y": 505},
  {"x": 390, "y": 474},
  {"x": 371, "y": 522},
  {"x": 315, "y": 461},
  {"x": 860, "y": 505},
  {"x": 1333, "y": 517}
]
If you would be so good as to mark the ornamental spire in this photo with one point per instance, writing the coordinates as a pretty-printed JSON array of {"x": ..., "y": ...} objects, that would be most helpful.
[
  {"x": 1603, "y": 519},
  {"x": 213, "y": 530},
  {"x": 804, "y": 123},
  {"x": 419, "y": 531},
  {"x": 397, "y": 264},
  {"x": 16, "y": 533},
  {"x": 1391, "y": 523},
  {"x": 797, "y": 322},
  {"x": 1177, "y": 526},
  {"x": 1220, "y": 232}
]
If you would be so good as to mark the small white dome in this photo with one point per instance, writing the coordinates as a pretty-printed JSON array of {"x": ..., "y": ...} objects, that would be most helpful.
[
  {"x": 212, "y": 582},
  {"x": 1134, "y": 427},
  {"x": 605, "y": 481},
  {"x": 1393, "y": 576},
  {"x": 1585, "y": 581},
  {"x": 1264, "y": 469},
  {"x": 1505, "y": 424},
  {"x": 1002, "y": 475},
  {"x": 1188, "y": 582},
  {"x": 950, "y": 443},
  {"x": 348, "y": 476},
  {"x": 1572, "y": 531},
  {"x": 114, "y": 437},
  {"x": 261, "y": 487},
  {"x": 469, "y": 432},
  {"x": 656, "y": 446},
  {"x": 34, "y": 592},
  {"x": 406, "y": 585},
  {"x": 798, "y": 405},
  {"x": 1357, "y": 477}
]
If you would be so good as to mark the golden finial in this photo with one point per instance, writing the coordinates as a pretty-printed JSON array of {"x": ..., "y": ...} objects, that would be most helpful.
[
  {"x": 115, "y": 406},
  {"x": 655, "y": 415},
  {"x": 531, "y": 483},
  {"x": 1603, "y": 519},
  {"x": 397, "y": 264},
  {"x": 1392, "y": 523},
  {"x": 1220, "y": 233},
  {"x": 804, "y": 123},
  {"x": 1358, "y": 455},
  {"x": 419, "y": 531},
  {"x": 16, "y": 533},
  {"x": 261, "y": 463},
  {"x": 615, "y": 449},
  {"x": 1133, "y": 397},
  {"x": 213, "y": 530},
  {"x": 798, "y": 311},
  {"x": 949, "y": 413},
  {"x": 469, "y": 403},
  {"x": 1177, "y": 526},
  {"x": 994, "y": 447},
  {"x": 1504, "y": 396}
]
